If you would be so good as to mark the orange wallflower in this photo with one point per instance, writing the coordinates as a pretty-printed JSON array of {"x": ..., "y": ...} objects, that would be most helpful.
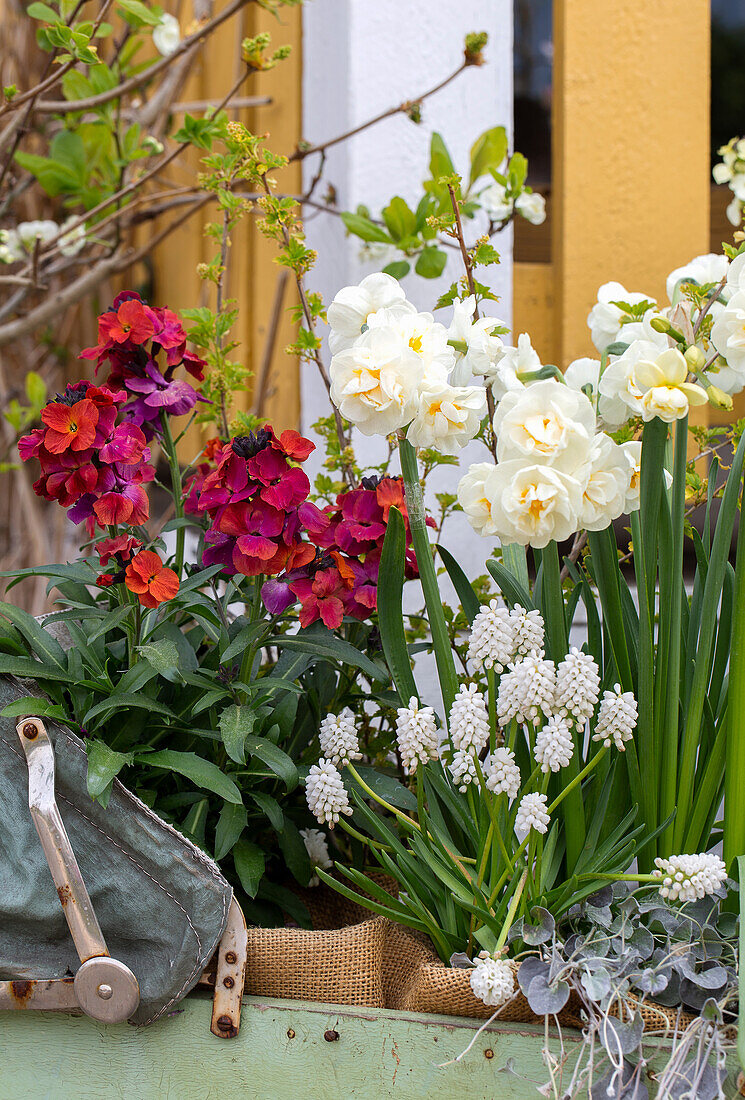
[
  {"x": 151, "y": 581},
  {"x": 70, "y": 426}
]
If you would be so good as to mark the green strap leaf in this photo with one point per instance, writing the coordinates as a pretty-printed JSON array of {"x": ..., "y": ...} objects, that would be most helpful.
[
  {"x": 390, "y": 611},
  {"x": 734, "y": 810},
  {"x": 124, "y": 700},
  {"x": 511, "y": 588},
  {"x": 469, "y": 601},
  {"x": 27, "y": 668},
  {"x": 420, "y": 540},
  {"x": 275, "y": 759},
  {"x": 41, "y": 642}
]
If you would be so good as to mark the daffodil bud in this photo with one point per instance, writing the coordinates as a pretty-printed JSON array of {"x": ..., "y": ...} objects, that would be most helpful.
[
  {"x": 718, "y": 398},
  {"x": 695, "y": 358},
  {"x": 660, "y": 324}
]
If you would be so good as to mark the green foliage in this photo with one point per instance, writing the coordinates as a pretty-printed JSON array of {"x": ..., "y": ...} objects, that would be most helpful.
[
  {"x": 420, "y": 235},
  {"x": 193, "y": 717},
  {"x": 21, "y": 416}
]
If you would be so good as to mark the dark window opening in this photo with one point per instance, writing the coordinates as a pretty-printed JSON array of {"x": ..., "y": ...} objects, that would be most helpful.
[
  {"x": 533, "y": 70},
  {"x": 727, "y": 101}
]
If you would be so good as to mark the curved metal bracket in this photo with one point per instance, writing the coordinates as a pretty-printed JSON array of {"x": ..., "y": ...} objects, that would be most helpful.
[{"x": 105, "y": 988}]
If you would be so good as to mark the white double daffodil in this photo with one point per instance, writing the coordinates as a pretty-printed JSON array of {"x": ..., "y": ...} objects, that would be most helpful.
[{"x": 665, "y": 393}]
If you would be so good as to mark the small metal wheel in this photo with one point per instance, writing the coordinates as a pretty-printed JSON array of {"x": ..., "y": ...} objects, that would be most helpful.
[{"x": 107, "y": 990}]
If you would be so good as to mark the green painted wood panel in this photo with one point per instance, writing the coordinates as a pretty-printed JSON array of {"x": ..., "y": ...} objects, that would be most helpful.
[{"x": 286, "y": 1050}]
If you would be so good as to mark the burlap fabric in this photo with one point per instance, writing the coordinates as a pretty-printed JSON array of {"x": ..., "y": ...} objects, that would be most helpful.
[{"x": 353, "y": 958}]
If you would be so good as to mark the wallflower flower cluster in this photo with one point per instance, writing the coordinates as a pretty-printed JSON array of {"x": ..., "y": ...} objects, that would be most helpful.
[
  {"x": 131, "y": 338},
  {"x": 342, "y": 578},
  {"x": 92, "y": 465},
  {"x": 251, "y": 490}
]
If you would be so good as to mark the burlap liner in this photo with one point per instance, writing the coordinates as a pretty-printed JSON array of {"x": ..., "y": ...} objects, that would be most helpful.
[{"x": 355, "y": 959}]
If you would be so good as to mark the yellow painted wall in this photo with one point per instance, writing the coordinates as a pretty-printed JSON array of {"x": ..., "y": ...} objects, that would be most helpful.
[
  {"x": 253, "y": 274},
  {"x": 631, "y": 184}
]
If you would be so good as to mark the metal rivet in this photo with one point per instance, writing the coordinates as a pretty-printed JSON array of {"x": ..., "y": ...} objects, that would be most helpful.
[
  {"x": 228, "y": 983},
  {"x": 30, "y": 730},
  {"x": 231, "y": 957},
  {"x": 488, "y": 1053},
  {"x": 331, "y": 1036},
  {"x": 290, "y": 1033},
  {"x": 105, "y": 992}
]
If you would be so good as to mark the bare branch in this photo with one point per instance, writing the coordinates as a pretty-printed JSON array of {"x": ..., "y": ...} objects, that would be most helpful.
[
  {"x": 401, "y": 108},
  {"x": 61, "y": 299},
  {"x": 262, "y": 390}
]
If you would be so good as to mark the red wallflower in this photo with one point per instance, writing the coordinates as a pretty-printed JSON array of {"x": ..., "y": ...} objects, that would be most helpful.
[
  {"x": 252, "y": 495},
  {"x": 131, "y": 337},
  {"x": 321, "y": 596},
  {"x": 90, "y": 464},
  {"x": 121, "y": 548},
  {"x": 349, "y": 535},
  {"x": 151, "y": 581}
]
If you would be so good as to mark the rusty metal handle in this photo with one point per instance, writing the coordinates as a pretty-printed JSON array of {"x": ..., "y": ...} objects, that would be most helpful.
[
  {"x": 81, "y": 919},
  {"x": 105, "y": 988}
]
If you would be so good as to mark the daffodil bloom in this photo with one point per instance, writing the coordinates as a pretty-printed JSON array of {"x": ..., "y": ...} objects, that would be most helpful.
[
  {"x": 665, "y": 392},
  {"x": 448, "y": 416}
]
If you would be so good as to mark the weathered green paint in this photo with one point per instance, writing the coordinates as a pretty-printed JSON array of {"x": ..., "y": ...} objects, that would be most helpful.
[{"x": 286, "y": 1050}]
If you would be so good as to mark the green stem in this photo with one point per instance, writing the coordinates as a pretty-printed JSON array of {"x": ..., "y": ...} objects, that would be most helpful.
[
  {"x": 505, "y": 874},
  {"x": 734, "y": 811},
  {"x": 514, "y": 902},
  {"x": 485, "y": 854},
  {"x": 557, "y": 643},
  {"x": 492, "y": 700},
  {"x": 645, "y": 692},
  {"x": 623, "y": 878},
  {"x": 178, "y": 493},
  {"x": 427, "y": 575},
  {"x": 255, "y": 610},
  {"x": 575, "y": 782},
  {"x": 381, "y": 801},
  {"x": 494, "y": 829},
  {"x": 670, "y": 672}
]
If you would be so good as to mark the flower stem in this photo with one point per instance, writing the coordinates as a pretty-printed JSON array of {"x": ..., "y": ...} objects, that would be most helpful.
[
  {"x": 492, "y": 698},
  {"x": 578, "y": 779},
  {"x": 178, "y": 493},
  {"x": 514, "y": 902},
  {"x": 427, "y": 575},
  {"x": 361, "y": 836},
  {"x": 381, "y": 801}
]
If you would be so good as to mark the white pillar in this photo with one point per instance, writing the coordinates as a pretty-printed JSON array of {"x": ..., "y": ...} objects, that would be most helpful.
[{"x": 359, "y": 58}]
